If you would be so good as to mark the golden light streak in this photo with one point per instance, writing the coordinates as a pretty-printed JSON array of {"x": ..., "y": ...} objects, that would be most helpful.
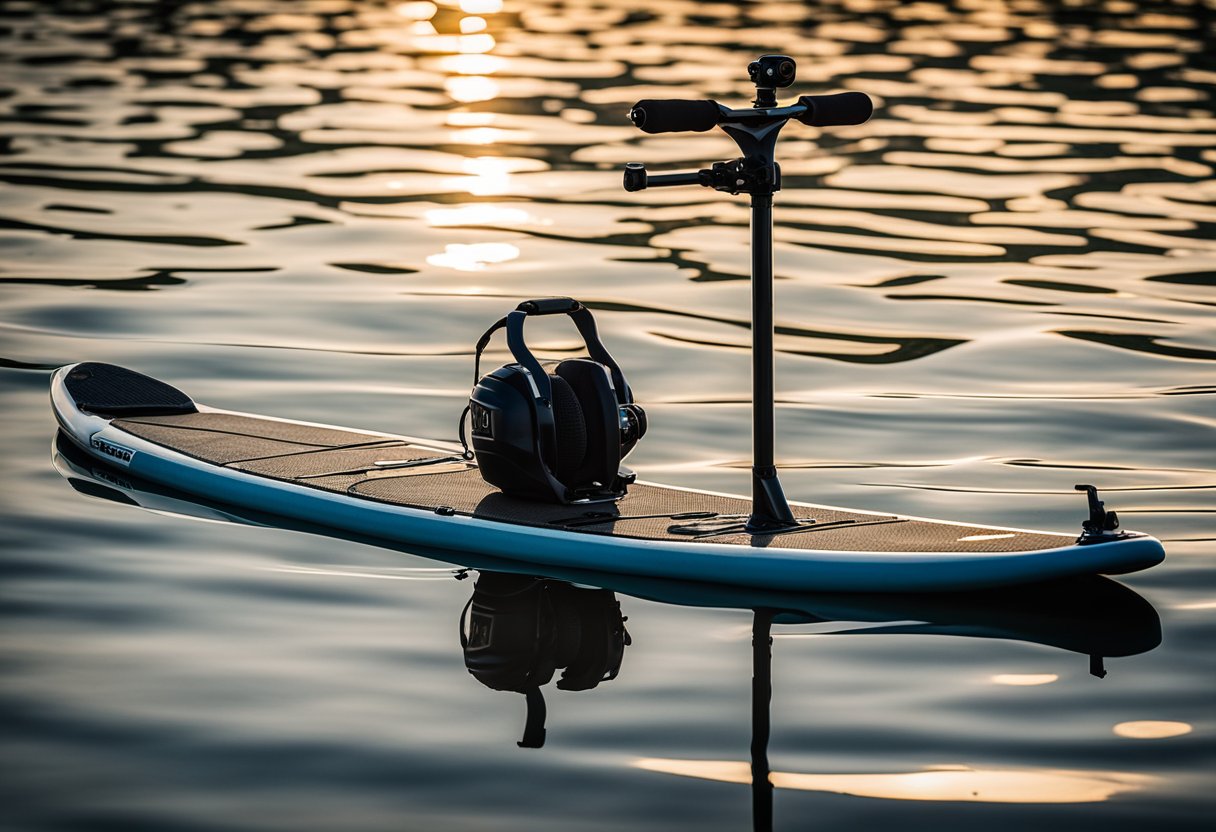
[
  {"x": 480, "y": 6},
  {"x": 472, "y": 64},
  {"x": 417, "y": 11},
  {"x": 473, "y": 257},
  {"x": 1151, "y": 729},
  {"x": 470, "y": 119},
  {"x": 480, "y": 135},
  {"x": 1024, "y": 679},
  {"x": 473, "y": 44},
  {"x": 953, "y": 784},
  {"x": 476, "y": 214},
  {"x": 469, "y": 88}
]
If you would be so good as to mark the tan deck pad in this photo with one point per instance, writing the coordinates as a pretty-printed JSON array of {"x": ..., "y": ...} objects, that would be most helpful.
[
  {"x": 252, "y": 426},
  {"x": 326, "y": 462},
  {"x": 345, "y": 462}
]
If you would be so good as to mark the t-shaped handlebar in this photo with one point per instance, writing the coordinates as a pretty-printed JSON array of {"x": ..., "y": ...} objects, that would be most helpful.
[{"x": 674, "y": 115}]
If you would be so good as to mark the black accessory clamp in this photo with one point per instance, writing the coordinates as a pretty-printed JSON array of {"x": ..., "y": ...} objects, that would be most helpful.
[{"x": 1102, "y": 524}]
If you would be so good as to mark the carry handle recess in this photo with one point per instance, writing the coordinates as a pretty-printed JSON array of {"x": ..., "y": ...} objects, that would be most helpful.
[
  {"x": 550, "y": 306},
  {"x": 674, "y": 115},
  {"x": 838, "y": 109}
]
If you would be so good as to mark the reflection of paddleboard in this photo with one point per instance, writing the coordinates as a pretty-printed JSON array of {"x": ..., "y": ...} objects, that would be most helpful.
[{"x": 413, "y": 492}]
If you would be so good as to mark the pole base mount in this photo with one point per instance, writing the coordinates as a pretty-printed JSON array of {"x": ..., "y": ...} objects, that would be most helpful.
[
  {"x": 771, "y": 512},
  {"x": 759, "y": 525}
]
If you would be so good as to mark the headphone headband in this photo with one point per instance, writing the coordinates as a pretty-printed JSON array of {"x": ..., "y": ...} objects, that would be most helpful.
[{"x": 513, "y": 322}]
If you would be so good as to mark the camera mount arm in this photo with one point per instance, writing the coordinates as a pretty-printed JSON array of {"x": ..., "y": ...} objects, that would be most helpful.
[{"x": 731, "y": 177}]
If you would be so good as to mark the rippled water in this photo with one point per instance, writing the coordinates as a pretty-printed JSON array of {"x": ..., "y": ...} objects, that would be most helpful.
[{"x": 999, "y": 286}]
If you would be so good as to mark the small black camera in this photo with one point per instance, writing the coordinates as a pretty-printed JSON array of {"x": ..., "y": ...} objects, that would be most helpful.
[{"x": 772, "y": 71}]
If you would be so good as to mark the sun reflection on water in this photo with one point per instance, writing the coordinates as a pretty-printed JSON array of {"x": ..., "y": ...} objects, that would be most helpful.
[
  {"x": 460, "y": 119},
  {"x": 479, "y": 214},
  {"x": 1013, "y": 259},
  {"x": 955, "y": 784},
  {"x": 422, "y": 10},
  {"x": 470, "y": 64},
  {"x": 481, "y": 135},
  {"x": 467, "y": 89},
  {"x": 1024, "y": 679},
  {"x": 481, "y": 6},
  {"x": 473, "y": 257},
  {"x": 1152, "y": 729}
]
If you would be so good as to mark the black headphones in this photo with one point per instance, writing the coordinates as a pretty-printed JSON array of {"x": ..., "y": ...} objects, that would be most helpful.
[{"x": 559, "y": 435}]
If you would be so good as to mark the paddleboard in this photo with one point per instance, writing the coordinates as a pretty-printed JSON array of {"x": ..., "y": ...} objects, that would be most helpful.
[{"x": 409, "y": 491}]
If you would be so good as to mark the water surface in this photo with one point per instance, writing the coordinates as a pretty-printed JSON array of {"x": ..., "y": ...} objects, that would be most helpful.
[{"x": 1000, "y": 286}]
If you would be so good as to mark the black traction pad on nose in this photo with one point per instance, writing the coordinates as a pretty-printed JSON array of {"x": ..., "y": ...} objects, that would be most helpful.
[{"x": 108, "y": 390}]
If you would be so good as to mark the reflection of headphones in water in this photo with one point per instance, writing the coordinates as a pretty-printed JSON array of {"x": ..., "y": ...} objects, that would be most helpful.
[
  {"x": 516, "y": 631},
  {"x": 559, "y": 435}
]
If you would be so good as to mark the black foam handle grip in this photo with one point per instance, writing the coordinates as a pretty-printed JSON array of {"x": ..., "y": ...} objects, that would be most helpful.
[
  {"x": 833, "y": 110},
  {"x": 550, "y": 306},
  {"x": 673, "y": 115}
]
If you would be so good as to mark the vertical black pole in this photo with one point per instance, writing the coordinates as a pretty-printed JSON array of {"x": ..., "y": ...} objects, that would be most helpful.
[
  {"x": 763, "y": 420},
  {"x": 769, "y": 507},
  {"x": 762, "y": 694}
]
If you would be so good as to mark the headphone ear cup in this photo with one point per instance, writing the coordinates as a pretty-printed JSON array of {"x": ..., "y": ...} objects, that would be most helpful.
[
  {"x": 589, "y": 381},
  {"x": 642, "y": 421},
  {"x": 570, "y": 426},
  {"x": 632, "y": 427},
  {"x": 510, "y": 627},
  {"x": 602, "y": 641}
]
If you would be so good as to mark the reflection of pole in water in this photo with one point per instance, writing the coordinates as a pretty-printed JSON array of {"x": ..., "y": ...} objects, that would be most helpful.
[
  {"x": 1111, "y": 607},
  {"x": 762, "y": 693}
]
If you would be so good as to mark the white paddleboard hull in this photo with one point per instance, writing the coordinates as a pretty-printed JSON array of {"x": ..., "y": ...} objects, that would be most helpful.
[{"x": 768, "y": 567}]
